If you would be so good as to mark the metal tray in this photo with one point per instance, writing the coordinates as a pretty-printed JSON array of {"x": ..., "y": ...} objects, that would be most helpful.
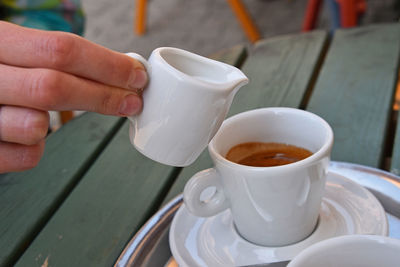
[{"x": 149, "y": 247}]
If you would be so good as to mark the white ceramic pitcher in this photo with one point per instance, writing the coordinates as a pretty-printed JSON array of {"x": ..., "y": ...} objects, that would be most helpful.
[{"x": 186, "y": 100}]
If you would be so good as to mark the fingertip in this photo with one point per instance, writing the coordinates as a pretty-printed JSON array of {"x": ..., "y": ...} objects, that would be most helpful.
[
  {"x": 16, "y": 157},
  {"x": 138, "y": 79},
  {"x": 36, "y": 128},
  {"x": 131, "y": 105},
  {"x": 23, "y": 126},
  {"x": 32, "y": 155}
]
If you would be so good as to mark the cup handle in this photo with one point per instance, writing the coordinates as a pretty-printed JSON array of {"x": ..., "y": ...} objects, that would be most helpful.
[{"x": 196, "y": 186}]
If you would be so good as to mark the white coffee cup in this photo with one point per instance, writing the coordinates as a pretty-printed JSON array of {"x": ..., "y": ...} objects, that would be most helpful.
[
  {"x": 270, "y": 206},
  {"x": 351, "y": 250},
  {"x": 185, "y": 102}
]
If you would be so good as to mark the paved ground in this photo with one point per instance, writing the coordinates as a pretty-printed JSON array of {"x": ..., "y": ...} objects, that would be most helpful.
[{"x": 204, "y": 26}]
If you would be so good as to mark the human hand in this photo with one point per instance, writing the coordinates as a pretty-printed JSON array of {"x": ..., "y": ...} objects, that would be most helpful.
[{"x": 42, "y": 71}]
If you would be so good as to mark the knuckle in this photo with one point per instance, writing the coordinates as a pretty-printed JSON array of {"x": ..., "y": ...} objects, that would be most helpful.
[
  {"x": 44, "y": 88},
  {"x": 109, "y": 104},
  {"x": 60, "y": 47},
  {"x": 124, "y": 73}
]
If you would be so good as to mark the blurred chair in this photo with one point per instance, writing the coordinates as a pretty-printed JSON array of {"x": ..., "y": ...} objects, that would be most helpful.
[
  {"x": 344, "y": 13},
  {"x": 240, "y": 11},
  {"x": 350, "y": 11}
]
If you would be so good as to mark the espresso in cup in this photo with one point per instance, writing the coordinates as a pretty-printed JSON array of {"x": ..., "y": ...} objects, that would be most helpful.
[{"x": 260, "y": 154}]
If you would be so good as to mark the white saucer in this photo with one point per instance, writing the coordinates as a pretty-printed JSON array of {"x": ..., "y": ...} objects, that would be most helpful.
[{"x": 347, "y": 208}]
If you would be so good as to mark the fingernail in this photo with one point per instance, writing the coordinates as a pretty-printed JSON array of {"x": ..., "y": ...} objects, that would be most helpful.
[
  {"x": 131, "y": 105},
  {"x": 139, "y": 79}
]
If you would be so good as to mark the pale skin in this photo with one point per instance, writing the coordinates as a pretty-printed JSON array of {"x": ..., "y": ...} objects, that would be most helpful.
[{"x": 42, "y": 71}]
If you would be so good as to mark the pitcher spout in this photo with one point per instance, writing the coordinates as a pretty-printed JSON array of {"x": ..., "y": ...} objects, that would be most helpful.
[
  {"x": 236, "y": 79},
  {"x": 239, "y": 81}
]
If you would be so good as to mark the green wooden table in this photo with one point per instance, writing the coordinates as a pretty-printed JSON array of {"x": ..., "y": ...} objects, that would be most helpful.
[{"x": 93, "y": 191}]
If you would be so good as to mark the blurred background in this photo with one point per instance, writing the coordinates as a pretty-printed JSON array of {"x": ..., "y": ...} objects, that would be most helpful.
[
  {"x": 200, "y": 26},
  {"x": 206, "y": 26}
]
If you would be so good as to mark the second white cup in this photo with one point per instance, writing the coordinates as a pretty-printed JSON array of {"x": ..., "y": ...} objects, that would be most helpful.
[{"x": 351, "y": 250}]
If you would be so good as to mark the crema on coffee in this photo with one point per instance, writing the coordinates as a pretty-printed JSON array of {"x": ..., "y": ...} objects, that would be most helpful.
[{"x": 258, "y": 154}]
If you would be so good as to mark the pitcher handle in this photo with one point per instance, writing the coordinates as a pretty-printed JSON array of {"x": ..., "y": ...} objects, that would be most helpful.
[
  {"x": 141, "y": 59},
  {"x": 147, "y": 66}
]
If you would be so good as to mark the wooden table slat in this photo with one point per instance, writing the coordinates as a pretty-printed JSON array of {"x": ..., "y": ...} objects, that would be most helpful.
[
  {"x": 234, "y": 56},
  {"x": 280, "y": 71},
  {"x": 111, "y": 202},
  {"x": 354, "y": 91},
  {"x": 28, "y": 199}
]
